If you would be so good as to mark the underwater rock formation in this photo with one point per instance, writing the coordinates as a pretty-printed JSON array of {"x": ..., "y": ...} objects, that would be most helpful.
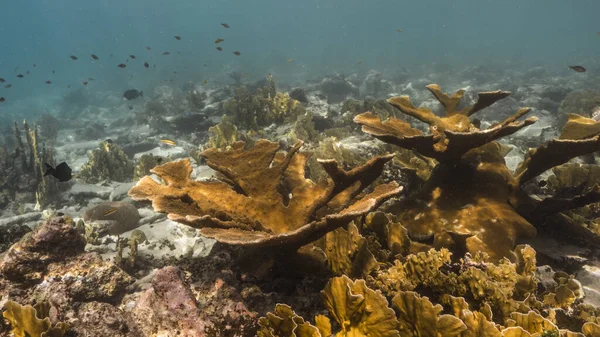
[
  {"x": 337, "y": 88},
  {"x": 471, "y": 193},
  {"x": 262, "y": 197},
  {"x": 107, "y": 162}
]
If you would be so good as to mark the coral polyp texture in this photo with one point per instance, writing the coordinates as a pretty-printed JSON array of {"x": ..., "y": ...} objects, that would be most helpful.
[
  {"x": 261, "y": 197},
  {"x": 471, "y": 197}
]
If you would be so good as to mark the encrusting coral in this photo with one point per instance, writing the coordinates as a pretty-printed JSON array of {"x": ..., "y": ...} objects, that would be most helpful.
[
  {"x": 262, "y": 197},
  {"x": 471, "y": 193}
]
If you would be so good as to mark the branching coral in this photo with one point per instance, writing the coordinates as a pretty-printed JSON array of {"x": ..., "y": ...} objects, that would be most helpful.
[
  {"x": 263, "y": 198},
  {"x": 107, "y": 162},
  {"x": 471, "y": 193}
]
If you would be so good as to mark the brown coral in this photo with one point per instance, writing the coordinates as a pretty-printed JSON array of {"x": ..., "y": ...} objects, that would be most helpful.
[
  {"x": 262, "y": 197},
  {"x": 471, "y": 198}
]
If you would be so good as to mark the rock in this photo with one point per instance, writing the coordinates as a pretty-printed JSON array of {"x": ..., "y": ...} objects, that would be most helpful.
[
  {"x": 589, "y": 276},
  {"x": 120, "y": 191},
  {"x": 54, "y": 240},
  {"x": 167, "y": 307},
  {"x": 125, "y": 218},
  {"x": 20, "y": 219},
  {"x": 337, "y": 88},
  {"x": 88, "y": 278},
  {"x": 101, "y": 320},
  {"x": 79, "y": 190}
]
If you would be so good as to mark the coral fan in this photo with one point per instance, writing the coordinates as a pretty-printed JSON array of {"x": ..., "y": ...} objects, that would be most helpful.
[{"x": 263, "y": 197}]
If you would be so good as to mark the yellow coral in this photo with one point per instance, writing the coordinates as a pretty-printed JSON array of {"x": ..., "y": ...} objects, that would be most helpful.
[{"x": 28, "y": 321}]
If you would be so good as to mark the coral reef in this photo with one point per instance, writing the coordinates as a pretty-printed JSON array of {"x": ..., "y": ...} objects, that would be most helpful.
[
  {"x": 28, "y": 321},
  {"x": 262, "y": 108},
  {"x": 107, "y": 162},
  {"x": 145, "y": 164},
  {"x": 263, "y": 198},
  {"x": 471, "y": 193}
]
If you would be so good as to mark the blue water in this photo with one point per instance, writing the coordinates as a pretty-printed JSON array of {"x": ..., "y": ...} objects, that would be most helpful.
[{"x": 321, "y": 36}]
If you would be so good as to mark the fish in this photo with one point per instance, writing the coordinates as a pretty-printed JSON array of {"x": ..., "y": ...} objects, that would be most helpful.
[
  {"x": 122, "y": 65},
  {"x": 177, "y": 37},
  {"x": 95, "y": 57},
  {"x": 84, "y": 83},
  {"x": 27, "y": 72},
  {"x": 20, "y": 76},
  {"x": 53, "y": 71},
  {"x": 62, "y": 171},
  {"x": 91, "y": 79},
  {"x": 205, "y": 82},
  {"x": 225, "y": 25},
  {"x": 219, "y": 49},
  {"x": 290, "y": 60},
  {"x": 2, "y": 80},
  {"x": 237, "y": 53},
  {"x": 148, "y": 48},
  {"x": 146, "y": 65},
  {"x": 8, "y": 86},
  {"x": 219, "y": 40},
  {"x": 166, "y": 53},
  {"x": 34, "y": 65},
  {"x": 110, "y": 211},
  {"x": 73, "y": 57},
  {"x": 578, "y": 69},
  {"x": 168, "y": 142},
  {"x": 48, "y": 82},
  {"x": 132, "y": 57},
  {"x": 2, "y": 99},
  {"x": 399, "y": 30},
  {"x": 132, "y": 94}
]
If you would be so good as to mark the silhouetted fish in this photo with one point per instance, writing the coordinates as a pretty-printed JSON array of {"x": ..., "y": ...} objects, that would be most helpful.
[
  {"x": 146, "y": 65},
  {"x": 2, "y": 80},
  {"x": 237, "y": 53},
  {"x": 177, "y": 37},
  {"x": 578, "y": 69},
  {"x": 48, "y": 82},
  {"x": 122, "y": 65},
  {"x": 20, "y": 76},
  {"x": 148, "y": 48},
  {"x": 219, "y": 49},
  {"x": 219, "y": 40},
  {"x": 132, "y": 94},
  {"x": 94, "y": 57},
  {"x": 84, "y": 83},
  {"x": 166, "y": 53},
  {"x": 73, "y": 57},
  {"x": 132, "y": 57},
  {"x": 225, "y": 25},
  {"x": 2, "y": 99},
  {"x": 8, "y": 86},
  {"x": 62, "y": 172}
]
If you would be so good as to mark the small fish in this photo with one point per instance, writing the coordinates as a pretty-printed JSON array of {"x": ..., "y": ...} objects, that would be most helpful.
[
  {"x": 8, "y": 86},
  {"x": 122, "y": 65},
  {"x": 225, "y": 25},
  {"x": 166, "y": 53},
  {"x": 53, "y": 71},
  {"x": 290, "y": 60},
  {"x": 148, "y": 48},
  {"x": 132, "y": 94},
  {"x": 219, "y": 40},
  {"x": 146, "y": 65},
  {"x": 95, "y": 57},
  {"x": 91, "y": 79},
  {"x": 73, "y": 57},
  {"x": 168, "y": 142},
  {"x": 219, "y": 49},
  {"x": 177, "y": 37},
  {"x": 132, "y": 57},
  {"x": 109, "y": 212},
  {"x": 69, "y": 86},
  {"x": 27, "y": 72},
  {"x": 2, "y": 80},
  {"x": 20, "y": 76},
  {"x": 48, "y": 82},
  {"x": 237, "y": 53},
  {"x": 34, "y": 65},
  {"x": 2, "y": 99},
  {"x": 399, "y": 30},
  {"x": 205, "y": 82},
  {"x": 578, "y": 69},
  {"x": 62, "y": 172},
  {"x": 84, "y": 83}
]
